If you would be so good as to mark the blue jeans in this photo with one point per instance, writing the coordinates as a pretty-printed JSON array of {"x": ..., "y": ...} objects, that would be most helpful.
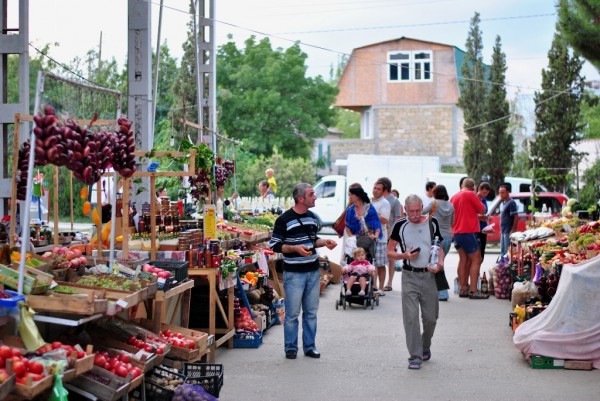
[
  {"x": 504, "y": 243},
  {"x": 301, "y": 292}
]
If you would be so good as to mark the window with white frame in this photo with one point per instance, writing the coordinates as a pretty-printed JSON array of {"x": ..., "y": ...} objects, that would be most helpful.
[{"x": 410, "y": 66}]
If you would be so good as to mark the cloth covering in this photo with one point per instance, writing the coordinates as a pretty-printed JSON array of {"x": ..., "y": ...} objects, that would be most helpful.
[{"x": 569, "y": 328}]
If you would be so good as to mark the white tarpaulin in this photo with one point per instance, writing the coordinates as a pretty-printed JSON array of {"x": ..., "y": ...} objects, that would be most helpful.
[{"x": 570, "y": 327}]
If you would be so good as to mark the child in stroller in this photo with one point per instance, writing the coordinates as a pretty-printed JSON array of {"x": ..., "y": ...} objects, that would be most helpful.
[{"x": 359, "y": 269}]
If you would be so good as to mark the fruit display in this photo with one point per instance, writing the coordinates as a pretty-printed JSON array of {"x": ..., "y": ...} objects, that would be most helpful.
[
  {"x": 62, "y": 258},
  {"x": 117, "y": 364},
  {"x": 177, "y": 339},
  {"x": 155, "y": 271}
]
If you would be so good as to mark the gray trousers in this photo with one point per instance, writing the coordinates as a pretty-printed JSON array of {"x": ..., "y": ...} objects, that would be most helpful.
[{"x": 419, "y": 290}]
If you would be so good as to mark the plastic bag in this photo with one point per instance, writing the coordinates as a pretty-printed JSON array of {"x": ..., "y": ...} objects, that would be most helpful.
[
  {"x": 522, "y": 291},
  {"x": 28, "y": 330},
  {"x": 59, "y": 393}
]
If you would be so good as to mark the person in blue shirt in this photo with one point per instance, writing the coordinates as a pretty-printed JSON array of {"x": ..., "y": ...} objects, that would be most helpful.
[{"x": 509, "y": 217}]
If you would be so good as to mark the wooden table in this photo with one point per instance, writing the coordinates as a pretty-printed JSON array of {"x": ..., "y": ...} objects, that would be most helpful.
[
  {"x": 215, "y": 302},
  {"x": 157, "y": 307}
]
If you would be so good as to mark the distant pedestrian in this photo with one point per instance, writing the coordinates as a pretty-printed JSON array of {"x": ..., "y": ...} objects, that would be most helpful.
[
  {"x": 396, "y": 213},
  {"x": 382, "y": 206},
  {"x": 443, "y": 211},
  {"x": 295, "y": 236},
  {"x": 396, "y": 193},
  {"x": 509, "y": 217},
  {"x": 467, "y": 208},
  {"x": 428, "y": 193},
  {"x": 419, "y": 290},
  {"x": 482, "y": 192}
]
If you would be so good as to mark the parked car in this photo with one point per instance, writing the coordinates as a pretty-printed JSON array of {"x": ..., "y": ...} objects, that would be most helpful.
[{"x": 552, "y": 200}]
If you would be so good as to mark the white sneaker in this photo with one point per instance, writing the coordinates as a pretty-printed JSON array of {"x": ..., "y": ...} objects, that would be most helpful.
[
  {"x": 348, "y": 293},
  {"x": 380, "y": 293},
  {"x": 361, "y": 293}
]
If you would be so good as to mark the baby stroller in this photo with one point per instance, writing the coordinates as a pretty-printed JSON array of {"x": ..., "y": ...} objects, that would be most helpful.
[{"x": 369, "y": 299}]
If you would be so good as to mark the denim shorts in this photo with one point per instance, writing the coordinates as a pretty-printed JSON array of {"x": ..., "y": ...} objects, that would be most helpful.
[{"x": 466, "y": 241}]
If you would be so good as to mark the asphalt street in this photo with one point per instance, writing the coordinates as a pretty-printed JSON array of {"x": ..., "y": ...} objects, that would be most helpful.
[{"x": 364, "y": 357}]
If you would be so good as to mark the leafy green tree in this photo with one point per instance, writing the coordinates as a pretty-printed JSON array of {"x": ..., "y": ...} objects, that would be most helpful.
[
  {"x": 579, "y": 22},
  {"x": 348, "y": 122},
  {"x": 288, "y": 172},
  {"x": 590, "y": 115},
  {"x": 499, "y": 141},
  {"x": 266, "y": 99},
  {"x": 590, "y": 193},
  {"x": 473, "y": 91},
  {"x": 557, "y": 116}
]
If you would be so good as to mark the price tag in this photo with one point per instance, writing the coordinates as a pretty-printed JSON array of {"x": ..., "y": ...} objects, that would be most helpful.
[
  {"x": 122, "y": 303},
  {"x": 161, "y": 280}
]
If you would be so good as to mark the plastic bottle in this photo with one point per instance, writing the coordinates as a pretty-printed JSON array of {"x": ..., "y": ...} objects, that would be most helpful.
[{"x": 435, "y": 252}]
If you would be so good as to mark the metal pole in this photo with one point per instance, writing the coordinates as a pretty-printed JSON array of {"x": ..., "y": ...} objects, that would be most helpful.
[
  {"x": 199, "y": 84},
  {"x": 156, "y": 65},
  {"x": 27, "y": 203}
]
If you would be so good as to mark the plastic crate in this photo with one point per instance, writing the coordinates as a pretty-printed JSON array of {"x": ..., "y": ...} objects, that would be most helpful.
[
  {"x": 178, "y": 268},
  {"x": 207, "y": 375},
  {"x": 247, "y": 341},
  {"x": 157, "y": 392}
]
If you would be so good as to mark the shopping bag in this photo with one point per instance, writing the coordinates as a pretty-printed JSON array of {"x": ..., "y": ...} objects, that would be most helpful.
[{"x": 340, "y": 224}]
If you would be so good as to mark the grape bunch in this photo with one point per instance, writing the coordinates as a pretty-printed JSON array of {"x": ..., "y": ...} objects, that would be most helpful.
[
  {"x": 229, "y": 166},
  {"x": 221, "y": 175},
  {"x": 123, "y": 160},
  {"x": 199, "y": 184},
  {"x": 5, "y": 295}
]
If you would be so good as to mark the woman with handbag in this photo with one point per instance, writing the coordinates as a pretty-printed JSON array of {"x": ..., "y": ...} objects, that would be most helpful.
[{"x": 362, "y": 221}]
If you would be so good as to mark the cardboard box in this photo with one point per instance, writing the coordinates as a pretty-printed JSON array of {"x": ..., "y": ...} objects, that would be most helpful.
[{"x": 261, "y": 322}]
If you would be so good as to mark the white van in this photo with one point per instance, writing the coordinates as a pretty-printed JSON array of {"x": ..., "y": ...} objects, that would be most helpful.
[{"x": 451, "y": 182}]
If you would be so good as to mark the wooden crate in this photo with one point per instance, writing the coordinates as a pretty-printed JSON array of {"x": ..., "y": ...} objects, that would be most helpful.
[
  {"x": 7, "y": 386},
  {"x": 144, "y": 360},
  {"x": 88, "y": 303},
  {"x": 131, "y": 298},
  {"x": 30, "y": 391},
  {"x": 116, "y": 389}
]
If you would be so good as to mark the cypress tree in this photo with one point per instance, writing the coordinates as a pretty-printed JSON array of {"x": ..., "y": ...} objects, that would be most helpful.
[{"x": 557, "y": 109}]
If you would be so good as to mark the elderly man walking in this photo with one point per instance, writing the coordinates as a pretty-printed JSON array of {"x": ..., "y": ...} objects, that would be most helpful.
[{"x": 411, "y": 241}]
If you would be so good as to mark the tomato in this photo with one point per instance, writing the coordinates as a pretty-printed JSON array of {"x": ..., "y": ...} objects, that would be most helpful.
[
  {"x": 148, "y": 348},
  {"x": 36, "y": 367},
  {"x": 80, "y": 354},
  {"x": 160, "y": 350},
  {"x": 15, "y": 352},
  {"x": 19, "y": 368},
  {"x": 121, "y": 371},
  {"x": 99, "y": 360},
  {"x": 135, "y": 372},
  {"x": 107, "y": 366},
  {"x": 124, "y": 358},
  {"x": 5, "y": 351},
  {"x": 37, "y": 377},
  {"x": 21, "y": 380},
  {"x": 56, "y": 344}
]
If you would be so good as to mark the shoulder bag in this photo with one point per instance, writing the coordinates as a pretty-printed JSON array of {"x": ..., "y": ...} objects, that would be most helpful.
[{"x": 340, "y": 224}]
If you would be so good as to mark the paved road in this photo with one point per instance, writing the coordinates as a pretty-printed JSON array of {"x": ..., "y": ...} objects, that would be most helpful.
[{"x": 364, "y": 357}]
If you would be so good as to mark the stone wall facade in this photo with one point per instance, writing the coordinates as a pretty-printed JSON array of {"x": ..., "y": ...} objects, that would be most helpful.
[{"x": 408, "y": 131}]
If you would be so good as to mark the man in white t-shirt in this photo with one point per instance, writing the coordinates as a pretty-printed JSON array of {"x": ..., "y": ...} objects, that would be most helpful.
[
  {"x": 428, "y": 193},
  {"x": 382, "y": 206}
]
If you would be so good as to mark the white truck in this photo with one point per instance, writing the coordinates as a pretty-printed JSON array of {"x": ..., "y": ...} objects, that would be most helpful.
[
  {"x": 407, "y": 173},
  {"x": 451, "y": 182}
]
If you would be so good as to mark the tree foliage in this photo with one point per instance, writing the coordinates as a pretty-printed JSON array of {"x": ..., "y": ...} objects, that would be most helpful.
[
  {"x": 473, "y": 91},
  {"x": 590, "y": 115},
  {"x": 266, "y": 99},
  {"x": 579, "y": 21},
  {"x": 557, "y": 116},
  {"x": 590, "y": 191},
  {"x": 498, "y": 139}
]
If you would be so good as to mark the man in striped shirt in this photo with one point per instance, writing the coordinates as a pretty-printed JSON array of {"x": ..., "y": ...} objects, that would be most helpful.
[{"x": 295, "y": 236}]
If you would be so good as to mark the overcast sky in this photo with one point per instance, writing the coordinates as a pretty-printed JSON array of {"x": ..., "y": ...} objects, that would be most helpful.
[{"x": 327, "y": 28}]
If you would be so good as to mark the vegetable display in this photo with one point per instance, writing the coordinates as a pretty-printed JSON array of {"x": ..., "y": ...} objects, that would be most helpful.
[
  {"x": 191, "y": 392},
  {"x": 87, "y": 154}
]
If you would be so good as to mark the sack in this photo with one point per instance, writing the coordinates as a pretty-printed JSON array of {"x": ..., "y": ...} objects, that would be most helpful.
[{"x": 340, "y": 224}]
